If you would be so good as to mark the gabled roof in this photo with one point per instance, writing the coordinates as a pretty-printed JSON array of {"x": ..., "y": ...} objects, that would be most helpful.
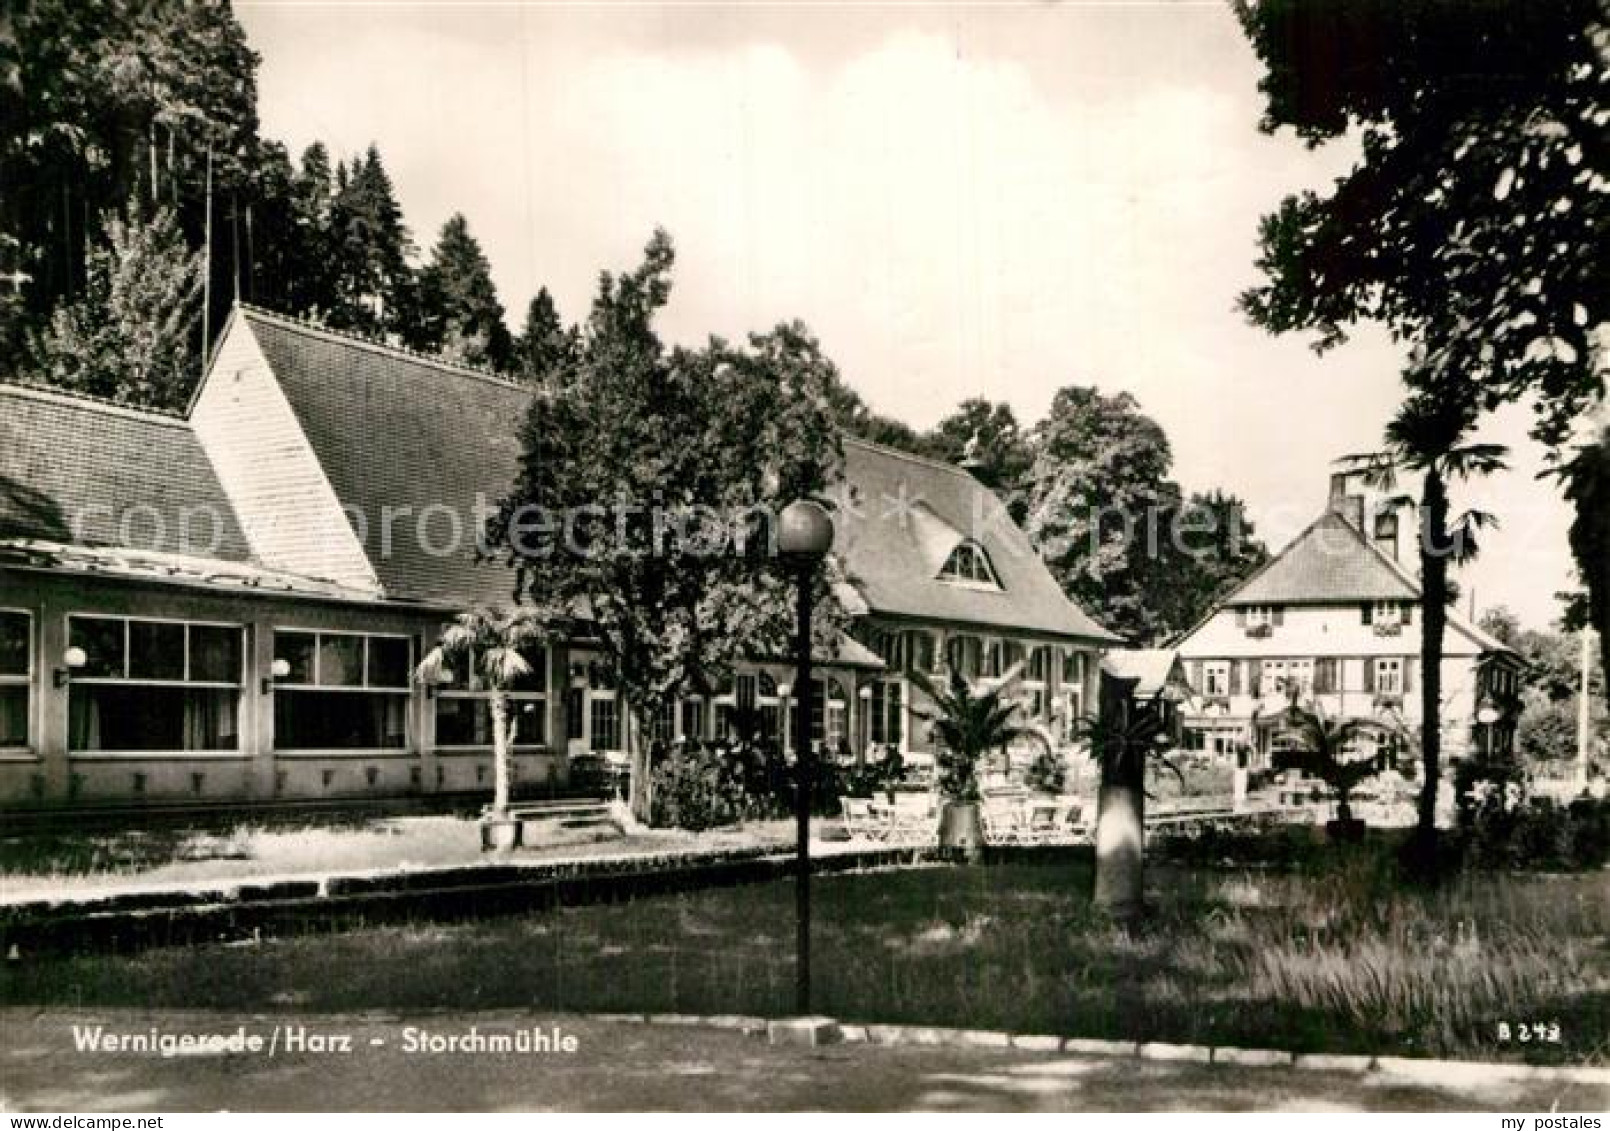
[
  {"x": 84, "y": 471},
  {"x": 409, "y": 436},
  {"x": 1331, "y": 561},
  {"x": 900, "y": 518}
]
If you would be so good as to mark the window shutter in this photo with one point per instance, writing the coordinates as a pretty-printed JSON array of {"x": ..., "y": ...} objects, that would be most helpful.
[
  {"x": 1408, "y": 673},
  {"x": 1369, "y": 675},
  {"x": 1193, "y": 675},
  {"x": 1235, "y": 677},
  {"x": 1241, "y": 616},
  {"x": 1255, "y": 677},
  {"x": 1279, "y": 614},
  {"x": 1367, "y": 612},
  {"x": 1408, "y": 612}
]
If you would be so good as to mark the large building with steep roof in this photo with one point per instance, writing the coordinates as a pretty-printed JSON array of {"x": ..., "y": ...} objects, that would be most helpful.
[
  {"x": 227, "y": 605},
  {"x": 1332, "y": 618}
]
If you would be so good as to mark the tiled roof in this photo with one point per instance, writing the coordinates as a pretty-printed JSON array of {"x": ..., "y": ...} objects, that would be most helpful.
[
  {"x": 393, "y": 429},
  {"x": 901, "y": 518},
  {"x": 403, "y": 435},
  {"x": 79, "y": 470},
  {"x": 1329, "y": 562},
  {"x": 1333, "y": 563}
]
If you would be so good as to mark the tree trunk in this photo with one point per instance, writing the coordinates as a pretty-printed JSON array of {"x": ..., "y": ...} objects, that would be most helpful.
[
  {"x": 1120, "y": 838},
  {"x": 1434, "y": 551},
  {"x": 500, "y": 756},
  {"x": 640, "y": 789}
]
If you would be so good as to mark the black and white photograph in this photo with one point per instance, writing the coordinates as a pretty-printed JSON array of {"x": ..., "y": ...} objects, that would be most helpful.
[{"x": 575, "y": 556}]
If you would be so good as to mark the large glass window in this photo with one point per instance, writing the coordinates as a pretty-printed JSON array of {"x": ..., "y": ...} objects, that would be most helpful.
[
  {"x": 16, "y": 678},
  {"x": 606, "y": 730},
  {"x": 1040, "y": 661},
  {"x": 463, "y": 705},
  {"x": 344, "y": 691},
  {"x": 154, "y": 685},
  {"x": 886, "y": 713},
  {"x": 965, "y": 655}
]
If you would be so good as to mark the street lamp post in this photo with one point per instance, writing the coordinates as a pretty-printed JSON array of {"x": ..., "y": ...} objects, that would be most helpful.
[{"x": 804, "y": 536}]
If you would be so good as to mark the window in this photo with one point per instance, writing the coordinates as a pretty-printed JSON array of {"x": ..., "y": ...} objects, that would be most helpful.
[
  {"x": 1327, "y": 676},
  {"x": 1073, "y": 669},
  {"x": 969, "y": 565},
  {"x": 1262, "y": 616},
  {"x": 605, "y": 724},
  {"x": 1040, "y": 662},
  {"x": 1216, "y": 679},
  {"x": 890, "y": 647},
  {"x": 1388, "y": 676},
  {"x": 919, "y": 650},
  {"x": 992, "y": 660},
  {"x": 575, "y": 714},
  {"x": 693, "y": 718},
  {"x": 886, "y": 713},
  {"x": 965, "y": 654},
  {"x": 349, "y": 691},
  {"x": 154, "y": 686},
  {"x": 463, "y": 706},
  {"x": 829, "y": 705},
  {"x": 16, "y": 678}
]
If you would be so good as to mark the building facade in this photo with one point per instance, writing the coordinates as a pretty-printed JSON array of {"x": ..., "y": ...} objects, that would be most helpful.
[
  {"x": 228, "y": 605},
  {"x": 1332, "y": 620}
]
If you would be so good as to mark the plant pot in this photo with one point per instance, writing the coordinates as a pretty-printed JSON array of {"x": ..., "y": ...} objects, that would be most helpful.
[
  {"x": 1350, "y": 831},
  {"x": 961, "y": 826},
  {"x": 499, "y": 834}
]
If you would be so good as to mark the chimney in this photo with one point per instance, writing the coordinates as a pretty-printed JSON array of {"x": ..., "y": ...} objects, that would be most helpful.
[
  {"x": 1350, "y": 507},
  {"x": 1384, "y": 530}
]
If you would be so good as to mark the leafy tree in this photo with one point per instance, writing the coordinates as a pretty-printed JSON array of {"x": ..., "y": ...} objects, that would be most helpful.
[
  {"x": 544, "y": 344},
  {"x": 1208, "y": 547},
  {"x": 128, "y": 335},
  {"x": 369, "y": 246},
  {"x": 458, "y": 302},
  {"x": 488, "y": 648},
  {"x": 630, "y": 455},
  {"x": 985, "y": 438},
  {"x": 1475, "y": 220},
  {"x": 1426, "y": 438},
  {"x": 1116, "y": 531},
  {"x": 1098, "y": 493}
]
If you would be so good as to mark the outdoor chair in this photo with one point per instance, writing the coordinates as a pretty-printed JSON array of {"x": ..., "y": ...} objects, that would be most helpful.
[
  {"x": 860, "y": 821},
  {"x": 1004, "y": 822},
  {"x": 913, "y": 822},
  {"x": 1051, "y": 822}
]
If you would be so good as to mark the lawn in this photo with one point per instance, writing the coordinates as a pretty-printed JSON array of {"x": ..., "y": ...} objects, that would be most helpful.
[{"x": 1344, "y": 961}]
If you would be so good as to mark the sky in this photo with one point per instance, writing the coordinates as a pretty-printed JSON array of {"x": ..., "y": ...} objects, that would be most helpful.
[{"x": 960, "y": 200}]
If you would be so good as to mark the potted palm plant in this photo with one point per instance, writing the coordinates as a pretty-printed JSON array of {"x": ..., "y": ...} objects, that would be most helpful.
[
  {"x": 487, "y": 645},
  {"x": 967, "y": 724},
  {"x": 1325, "y": 745}
]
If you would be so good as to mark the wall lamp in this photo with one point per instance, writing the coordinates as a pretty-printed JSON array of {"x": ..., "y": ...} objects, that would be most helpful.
[
  {"x": 72, "y": 659},
  {"x": 279, "y": 669}
]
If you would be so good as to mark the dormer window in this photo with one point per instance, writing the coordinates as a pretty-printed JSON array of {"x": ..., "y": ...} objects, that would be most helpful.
[{"x": 969, "y": 565}]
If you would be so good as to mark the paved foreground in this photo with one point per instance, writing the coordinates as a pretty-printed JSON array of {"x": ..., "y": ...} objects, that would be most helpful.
[{"x": 363, "y": 1063}]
